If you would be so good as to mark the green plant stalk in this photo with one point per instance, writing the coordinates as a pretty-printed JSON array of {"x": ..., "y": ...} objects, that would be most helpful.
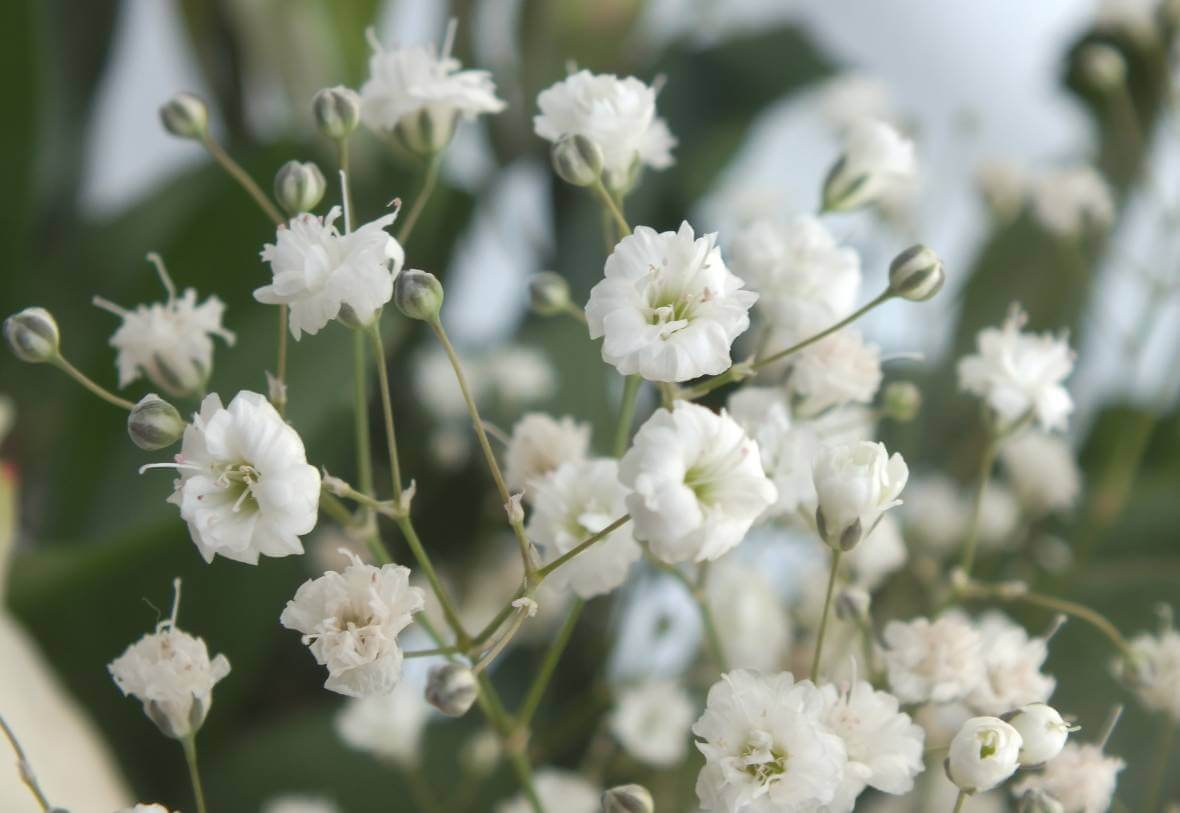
[
  {"x": 960, "y": 801},
  {"x": 26, "y": 770},
  {"x": 59, "y": 361},
  {"x": 626, "y": 413},
  {"x": 548, "y": 666},
  {"x": 582, "y": 546},
  {"x": 611, "y": 206},
  {"x": 189, "y": 744},
  {"x": 429, "y": 181},
  {"x": 712, "y": 634},
  {"x": 823, "y": 619},
  {"x": 1159, "y": 766},
  {"x": 971, "y": 540}
]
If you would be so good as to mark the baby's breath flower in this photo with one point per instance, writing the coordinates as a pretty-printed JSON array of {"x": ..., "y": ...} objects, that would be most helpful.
[
  {"x": 539, "y": 445},
  {"x": 876, "y": 163},
  {"x": 1012, "y": 664},
  {"x": 840, "y": 369},
  {"x": 1042, "y": 730},
  {"x": 855, "y": 483},
  {"x": 1156, "y": 673},
  {"x": 651, "y": 721},
  {"x": 933, "y": 661},
  {"x": 557, "y": 790},
  {"x": 751, "y": 620},
  {"x": 1043, "y": 472},
  {"x": 983, "y": 754},
  {"x": 388, "y": 726},
  {"x": 1068, "y": 202},
  {"x": 1081, "y": 778}
]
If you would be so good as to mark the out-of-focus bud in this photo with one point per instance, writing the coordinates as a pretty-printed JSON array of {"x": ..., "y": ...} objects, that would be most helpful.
[
  {"x": 1038, "y": 801},
  {"x": 451, "y": 688},
  {"x": 902, "y": 401},
  {"x": 628, "y": 799},
  {"x": 33, "y": 335},
  {"x": 1043, "y": 730},
  {"x": 916, "y": 274},
  {"x": 426, "y": 132},
  {"x": 185, "y": 116},
  {"x": 549, "y": 293},
  {"x": 337, "y": 111},
  {"x": 577, "y": 160},
  {"x": 299, "y": 187},
  {"x": 154, "y": 423},
  {"x": 418, "y": 294},
  {"x": 1102, "y": 66}
]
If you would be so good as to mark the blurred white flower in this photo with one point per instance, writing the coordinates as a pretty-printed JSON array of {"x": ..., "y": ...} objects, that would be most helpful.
[
  {"x": 839, "y": 369},
  {"x": 1004, "y": 187},
  {"x": 521, "y": 375},
  {"x": 938, "y": 513},
  {"x": 659, "y": 630},
  {"x": 752, "y": 623},
  {"x": 388, "y": 726},
  {"x": 1156, "y": 677},
  {"x": 1081, "y": 778},
  {"x": 855, "y": 484},
  {"x": 559, "y": 791},
  {"x": 853, "y": 97},
  {"x": 299, "y": 804},
  {"x": 539, "y": 444},
  {"x": 766, "y": 746},
  {"x": 938, "y": 661},
  {"x": 1043, "y": 471},
  {"x": 877, "y": 162},
  {"x": 154, "y": 807},
  {"x": 1017, "y": 373},
  {"x": 697, "y": 483},
  {"x": 668, "y": 308},
  {"x": 437, "y": 387},
  {"x": 983, "y": 754},
  {"x": 1012, "y": 663},
  {"x": 1043, "y": 733},
  {"x": 619, "y": 115},
  {"x": 883, "y": 553},
  {"x": 350, "y": 621},
  {"x": 578, "y": 500},
  {"x": 1071, "y": 201},
  {"x": 652, "y": 721},
  {"x": 245, "y": 487}
]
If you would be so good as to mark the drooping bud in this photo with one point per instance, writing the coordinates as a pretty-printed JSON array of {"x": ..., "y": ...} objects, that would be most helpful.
[
  {"x": 299, "y": 187},
  {"x": 33, "y": 335},
  {"x": 418, "y": 294},
  {"x": 1043, "y": 730},
  {"x": 1102, "y": 66},
  {"x": 628, "y": 799},
  {"x": 185, "y": 116},
  {"x": 426, "y": 132},
  {"x": 577, "y": 160},
  {"x": 154, "y": 423},
  {"x": 451, "y": 688},
  {"x": 916, "y": 274},
  {"x": 549, "y": 293},
  {"x": 902, "y": 401},
  {"x": 337, "y": 111},
  {"x": 1038, "y": 801}
]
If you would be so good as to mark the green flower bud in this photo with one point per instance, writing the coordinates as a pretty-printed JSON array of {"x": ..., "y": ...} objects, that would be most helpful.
[
  {"x": 549, "y": 293},
  {"x": 451, "y": 688},
  {"x": 418, "y": 294},
  {"x": 154, "y": 423},
  {"x": 577, "y": 160},
  {"x": 1102, "y": 66},
  {"x": 628, "y": 799},
  {"x": 902, "y": 401},
  {"x": 185, "y": 116},
  {"x": 299, "y": 187},
  {"x": 426, "y": 132},
  {"x": 337, "y": 111},
  {"x": 916, "y": 274},
  {"x": 33, "y": 335}
]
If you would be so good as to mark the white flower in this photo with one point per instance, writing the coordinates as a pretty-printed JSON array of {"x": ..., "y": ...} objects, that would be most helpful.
[
  {"x": 539, "y": 444},
  {"x": 1043, "y": 471},
  {"x": 558, "y": 791},
  {"x": 983, "y": 754},
  {"x": 171, "y": 673},
  {"x": 1003, "y": 185},
  {"x": 170, "y": 342},
  {"x": 652, "y": 720},
  {"x": 877, "y": 162},
  {"x": 1156, "y": 678},
  {"x": 1012, "y": 665},
  {"x": 245, "y": 487},
  {"x": 154, "y": 807},
  {"x": 855, "y": 483},
  {"x": 404, "y": 82},
  {"x": 521, "y": 375},
  {"x": 1081, "y": 778},
  {"x": 437, "y": 387},
  {"x": 697, "y": 483},
  {"x": 1043, "y": 733},
  {"x": 936, "y": 661},
  {"x": 753, "y": 625},
  {"x": 766, "y": 746},
  {"x": 853, "y": 97},
  {"x": 299, "y": 804},
  {"x": 659, "y": 630},
  {"x": 840, "y": 369},
  {"x": 576, "y": 501},
  {"x": 1017, "y": 373},
  {"x": 322, "y": 274},
  {"x": 938, "y": 513},
  {"x": 619, "y": 115},
  {"x": 668, "y": 308},
  {"x": 350, "y": 621},
  {"x": 805, "y": 280},
  {"x": 884, "y": 746},
  {"x": 1070, "y": 201},
  {"x": 388, "y": 726}
]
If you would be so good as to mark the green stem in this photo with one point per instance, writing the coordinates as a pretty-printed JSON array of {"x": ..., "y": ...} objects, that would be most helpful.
[
  {"x": 627, "y": 413},
  {"x": 444, "y": 598},
  {"x": 243, "y": 178},
  {"x": 971, "y": 540},
  {"x": 524, "y": 775},
  {"x": 582, "y": 546},
  {"x": 189, "y": 744},
  {"x": 25, "y": 768},
  {"x": 548, "y": 666},
  {"x": 611, "y": 206},
  {"x": 960, "y": 800},
  {"x": 712, "y": 634},
  {"x": 280, "y": 394},
  {"x": 1159, "y": 766},
  {"x": 386, "y": 407},
  {"x": 429, "y": 180},
  {"x": 823, "y": 619},
  {"x": 823, "y": 334},
  {"x": 73, "y": 372}
]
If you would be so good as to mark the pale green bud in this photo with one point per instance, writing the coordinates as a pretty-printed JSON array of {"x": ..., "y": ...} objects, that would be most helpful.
[
  {"x": 577, "y": 160},
  {"x": 337, "y": 111},
  {"x": 33, "y": 335},
  {"x": 154, "y": 423},
  {"x": 185, "y": 116},
  {"x": 299, "y": 187},
  {"x": 549, "y": 293},
  {"x": 628, "y": 799},
  {"x": 916, "y": 274},
  {"x": 426, "y": 132},
  {"x": 418, "y": 294},
  {"x": 902, "y": 401},
  {"x": 451, "y": 688}
]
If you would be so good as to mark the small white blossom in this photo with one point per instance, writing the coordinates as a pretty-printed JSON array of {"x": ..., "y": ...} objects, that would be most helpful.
[
  {"x": 618, "y": 115},
  {"x": 652, "y": 721},
  {"x": 938, "y": 513},
  {"x": 855, "y": 484},
  {"x": 983, "y": 754},
  {"x": 1004, "y": 187},
  {"x": 1156, "y": 678},
  {"x": 558, "y": 791},
  {"x": 1043, "y": 471},
  {"x": 877, "y": 163},
  {"x": 539, "y": 444},
  {"x": 753, "y": 624},
  {"x": 322, "y": 274},
  {"x": 154, "y": 807},
  {"x": 436, "y": 385},
  {"x": 697, "y": 483},
  {"x": 854, "y": 97},
  {"x": 1081, "y": 778},
  {"x": 668, "y": 308},
  {"x": 245, "y": 487},
  {"x": 299, "y": 804},
  {"x": 576, "y": 501},
  {"x": 840, "y": 369},
  {"x": 1043, "y": 733},
  {"x": 659, "y": 632},
  {"x": 1018, "y": 373},
  {"x": 884, "y": 745},
  {"x": 388, "y": 726},
  {"x": 1012, "y": 663},
  {"x": 937, "y": 661},
  {"x": 350, "y": 621},
  {"x": 1070, "y": 201},
  {"x": 766, "y": 746},
  {"x": 520, "y": 375}
]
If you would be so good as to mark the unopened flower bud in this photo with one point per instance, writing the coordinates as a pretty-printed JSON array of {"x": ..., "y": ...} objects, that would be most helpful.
[
  {"x": 628, "y": 799},
  {"x": 1043, "y": 730},
  {"x": 418, "y": 294},
  {"x": 299, "y": 187},
  {"x": 1038, "y": 801},
  {"x": 549, "y": 293},
  {"x": 902, "y": 401},
  {"x": 426, "y": 132},
  {"x": 33, "y": 335},
  {"x": 337, "y": 111},
  {"x": 983, "y": 754},
  {"x": 451, "y": 688},
  {"x": 916, "y": 274},
  {"x": 185, "y": 116},
  {"x": 843, "y": 539},
  {"x": 1102, "y": 66},
  {"x": 154, "y": 423},
  {"x": 577, "y": 160}
]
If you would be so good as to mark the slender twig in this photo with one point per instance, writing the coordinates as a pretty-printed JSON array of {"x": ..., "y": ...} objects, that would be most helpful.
[
  {"x": 960, "y": 800},
  {"x": 626, "y": 413},
  {"x": 1159, "y": 766},
  {"x": 386, "y": 407},
  {"x": 582, "y": 546},
  {"x": 102, "y": 392},
  {"x": 189, "y": 744},
  {"x": 429, "y": 180},
  {"x": 235, "y": 171},
  {"x": 986, "y": 461},
  {"x": 25, "y": 767},
  {"x": 548, "y": 666},
  {"x": 823, "y": 619},
  {"x": 611, "y": 206}
]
